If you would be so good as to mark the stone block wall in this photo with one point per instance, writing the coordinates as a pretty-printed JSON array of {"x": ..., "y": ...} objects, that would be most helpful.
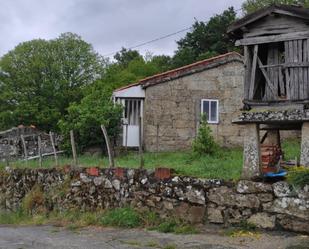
[
  {"x": 269, "y": 206},
  {"x": 172, "y": 109}
]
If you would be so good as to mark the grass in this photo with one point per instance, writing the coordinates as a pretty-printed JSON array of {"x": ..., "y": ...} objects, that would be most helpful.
[
  {"x": 121, "y": 217},
  {"x": 224, "y": 164},
  {"x": 118, "y": 217}
]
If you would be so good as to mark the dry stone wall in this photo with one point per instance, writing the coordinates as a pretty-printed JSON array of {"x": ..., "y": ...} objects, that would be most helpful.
[{"x": 268, "y": 206}]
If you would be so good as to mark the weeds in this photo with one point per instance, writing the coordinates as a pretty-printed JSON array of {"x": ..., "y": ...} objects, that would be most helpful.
[
  {"x": 121, "y": 217},
  {"x": 298, "y": 177}
]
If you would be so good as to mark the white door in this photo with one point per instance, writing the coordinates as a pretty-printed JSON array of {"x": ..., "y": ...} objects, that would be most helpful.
[{"x": 133, "y": 109}]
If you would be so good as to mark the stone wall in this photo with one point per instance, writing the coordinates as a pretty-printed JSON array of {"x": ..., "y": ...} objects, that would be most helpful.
[
  {"x": 172, "y": 109},
  {"x": 269, "y": 206}
]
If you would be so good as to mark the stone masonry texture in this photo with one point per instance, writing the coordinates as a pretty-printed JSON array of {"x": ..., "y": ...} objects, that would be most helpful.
[
  {"x": 173, "y": 109},
  {"x": 267, "y": 205}
]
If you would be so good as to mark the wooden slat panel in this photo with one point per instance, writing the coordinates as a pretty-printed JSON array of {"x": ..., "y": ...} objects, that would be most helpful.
[
  {"x": 248, "y": 64},
  {"x": 295, "y": 71},
  {"x": 286, "y": 70},
  {"x": 306, "y": 79},
  {"x": 268, "y": 81},
  {"x": 291, "y": 70},
  {"x": 273, "y": 38},
  {"x": 253, "y": 71},
  {"x": 300, "y": 71}
]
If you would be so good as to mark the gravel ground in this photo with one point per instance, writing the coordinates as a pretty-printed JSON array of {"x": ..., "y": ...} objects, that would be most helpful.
[{"x": 49, "y": 237}]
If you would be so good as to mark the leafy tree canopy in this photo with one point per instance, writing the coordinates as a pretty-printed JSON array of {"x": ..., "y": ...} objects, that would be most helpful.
[
  {"x": 206, "y": 39},
  {"x": 250, "y": 6},
  {"x": 40, "y": 78}
]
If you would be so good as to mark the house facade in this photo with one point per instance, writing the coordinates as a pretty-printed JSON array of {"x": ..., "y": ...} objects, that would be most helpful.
[{"x": 170, "y": 105}]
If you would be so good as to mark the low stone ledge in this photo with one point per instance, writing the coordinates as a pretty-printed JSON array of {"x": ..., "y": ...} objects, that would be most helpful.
[{"x": 294, "y": 115}]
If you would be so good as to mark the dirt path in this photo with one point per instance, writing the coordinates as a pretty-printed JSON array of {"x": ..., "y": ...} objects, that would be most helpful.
[{"x": 49, "y": 237}]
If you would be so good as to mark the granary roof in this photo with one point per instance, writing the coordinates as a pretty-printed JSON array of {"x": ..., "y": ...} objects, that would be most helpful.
[
  {"x": 186, "y": 70},
  {"x": 289, "y": 10}
]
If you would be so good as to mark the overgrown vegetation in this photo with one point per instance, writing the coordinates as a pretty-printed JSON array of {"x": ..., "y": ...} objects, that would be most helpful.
[
  {"x": 224, "y": 164},
  {"x": 118, "y": 217},
  {"x": 298, "y": 176},
  {"x": 121, "y": 217}
]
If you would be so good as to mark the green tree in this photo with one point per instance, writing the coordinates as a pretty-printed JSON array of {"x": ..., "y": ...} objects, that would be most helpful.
[
  {"x": 250, "y": 6},
  {"x": 206, "y": 39},
  {"x": 85, "y": 118},
  {"x": 125, "y": 56},
  {"x": 40, "y": 78}
]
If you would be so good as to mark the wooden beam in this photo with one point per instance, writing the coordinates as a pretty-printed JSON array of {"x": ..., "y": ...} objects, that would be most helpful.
[
  {"x": 73, "y": 147},
  {"x": 109, "y": 147},
  {"x": 267, "y": 78},
  {"x": 247, "y": 63},
  {"x": 272, "y": 38},
  {"x": 253, "y": 71}
]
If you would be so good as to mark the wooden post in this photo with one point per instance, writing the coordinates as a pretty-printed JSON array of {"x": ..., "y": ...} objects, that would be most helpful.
[
  {"x": 54, "y": 147},
  {"x": 157, "y": 139},
  {"x": 73, "y": 148},
  {"x": 25, "y": 148},
  {"x": 108, "y": 145},
  {"x": 140, "y": 148},
  {"x": 126, "y": 137},
  {"x": 40, "y": 150}
]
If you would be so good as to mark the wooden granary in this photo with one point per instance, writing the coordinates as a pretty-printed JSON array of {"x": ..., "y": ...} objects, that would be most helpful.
[{"x": 275, "y": 41}]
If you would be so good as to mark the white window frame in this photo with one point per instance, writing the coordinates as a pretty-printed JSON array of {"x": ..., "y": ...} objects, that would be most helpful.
[{"x": 202, "y": 110}]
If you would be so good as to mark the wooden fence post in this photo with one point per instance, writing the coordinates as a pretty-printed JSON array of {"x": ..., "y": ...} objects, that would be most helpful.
[
  {"x": 54, "y": 147},
  {"x": 25, "y": 148},
  {"x": 126, "y": 137},
  {"x": 140, "y": 148},
  {"x": 73, "y": 148},
  {"x": 109, "y": 149},
  {"x": 40, "y": 150}
]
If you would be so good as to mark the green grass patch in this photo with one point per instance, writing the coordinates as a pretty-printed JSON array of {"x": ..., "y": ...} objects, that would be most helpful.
[
  {"x": 121, "y": 217},
  {"x": 291, "y": 149},
  {"x": 224, "y": 164},
  {"x": 118, "y": 217},
  {"x": 298, "y": 176},
  {"x": 172, "y": 225}
]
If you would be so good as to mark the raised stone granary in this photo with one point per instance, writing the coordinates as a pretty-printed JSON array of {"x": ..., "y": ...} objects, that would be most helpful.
[
  {"x": 12, "y": 146},
  {"x": 276, "y": 82}
]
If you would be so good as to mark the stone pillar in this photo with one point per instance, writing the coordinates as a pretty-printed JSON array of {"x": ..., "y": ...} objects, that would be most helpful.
[
  {"x": 304, "y": 154},
  {"x": 252, "y": 158}
]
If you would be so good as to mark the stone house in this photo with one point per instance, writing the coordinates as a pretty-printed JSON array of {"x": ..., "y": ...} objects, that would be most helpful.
[{"x": 170, "y": 104}]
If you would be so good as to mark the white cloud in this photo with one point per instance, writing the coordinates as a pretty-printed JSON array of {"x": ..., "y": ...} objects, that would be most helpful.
[{"x": 107, "y": 24}]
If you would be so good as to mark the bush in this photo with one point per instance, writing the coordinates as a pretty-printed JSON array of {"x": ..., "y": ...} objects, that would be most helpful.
[
  {"x": 121, "y": 217},
  {"x": 204, "y": 143},
  {"x": 34, "y": 200},
  {"x": 298, "y": 177}
]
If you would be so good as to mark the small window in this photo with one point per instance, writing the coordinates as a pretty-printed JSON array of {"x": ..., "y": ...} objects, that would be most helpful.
[{"x": 210, "y": 107}]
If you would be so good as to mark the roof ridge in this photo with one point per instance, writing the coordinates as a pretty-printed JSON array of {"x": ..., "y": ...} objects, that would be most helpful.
[{"x": 192, "y": 65}]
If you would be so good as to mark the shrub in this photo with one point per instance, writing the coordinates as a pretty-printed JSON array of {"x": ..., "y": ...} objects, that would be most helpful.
[
  {"x": 34, "y": 200},
  {"x": 121, "y": 217},
  {"x": 298, "y": 177},
  {"x": 204, "y": 142}
]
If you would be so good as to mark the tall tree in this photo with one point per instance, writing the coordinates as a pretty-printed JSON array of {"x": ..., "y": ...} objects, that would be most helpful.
[
  {"x": 205, "y": 39},
  {"x": 41, "y": 77},
  {"x": 250, "y": 6},
  {"x": 125, "y": 56}
]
